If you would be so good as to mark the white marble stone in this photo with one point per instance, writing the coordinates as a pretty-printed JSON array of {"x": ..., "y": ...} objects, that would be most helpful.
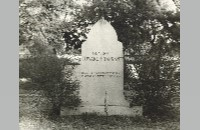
[
  {"x": 101, "y": 75},
  {"x": 102, "y": 70}
]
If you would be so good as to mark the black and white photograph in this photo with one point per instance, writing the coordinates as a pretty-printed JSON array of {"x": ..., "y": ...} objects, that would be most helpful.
[{"x": 99, "y": 64}]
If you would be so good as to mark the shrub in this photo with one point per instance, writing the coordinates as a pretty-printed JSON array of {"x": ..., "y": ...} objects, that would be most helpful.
[
  {"x": 47, "y": 73},
  {"x": 155, "y": 95}
]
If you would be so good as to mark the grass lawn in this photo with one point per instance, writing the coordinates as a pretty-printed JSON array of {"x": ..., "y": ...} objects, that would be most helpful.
[
  {"x": 93, "y": 122},
  {"x": 32, "y": 118}
]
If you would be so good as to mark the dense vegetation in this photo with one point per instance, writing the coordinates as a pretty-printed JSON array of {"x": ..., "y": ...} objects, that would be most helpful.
[
  {"x": 148, "y": 32},
  {"x": 48, "y": 74}
]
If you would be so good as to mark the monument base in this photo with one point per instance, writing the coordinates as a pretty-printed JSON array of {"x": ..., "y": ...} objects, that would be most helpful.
[{"x": 100, "y": 110}]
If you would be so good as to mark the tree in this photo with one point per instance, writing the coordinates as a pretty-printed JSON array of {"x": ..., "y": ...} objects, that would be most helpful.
[
  {"x": 153, "y": 39},
  {"x": 44, "y": 20},
  {"x": 151, "y": 36},
  {"x": 149, "y": 33}
]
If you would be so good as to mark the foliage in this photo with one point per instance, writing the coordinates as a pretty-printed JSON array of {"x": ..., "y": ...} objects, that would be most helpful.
[
  {"x": 47, "y": 74},
  {"x": 149, "y": 34},
  {"x": 153, "y": 39},
  {"x": 45, "y": 20}
]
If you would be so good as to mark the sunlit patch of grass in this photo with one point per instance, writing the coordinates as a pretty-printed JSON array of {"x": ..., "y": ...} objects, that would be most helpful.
[{"x": 95, "y": 122}]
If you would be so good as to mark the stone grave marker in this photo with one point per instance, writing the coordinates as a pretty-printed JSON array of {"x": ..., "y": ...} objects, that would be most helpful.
[{"x": 101, "y": 74}]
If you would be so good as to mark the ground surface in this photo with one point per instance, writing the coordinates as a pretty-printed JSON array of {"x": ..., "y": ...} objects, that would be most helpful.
[
  {"x": 32, "y": 117},
  {"x": 94, "y": 123}
]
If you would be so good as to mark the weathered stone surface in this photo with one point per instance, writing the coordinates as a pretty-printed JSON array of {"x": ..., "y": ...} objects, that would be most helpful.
[{"x": 101, "y": 74}]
